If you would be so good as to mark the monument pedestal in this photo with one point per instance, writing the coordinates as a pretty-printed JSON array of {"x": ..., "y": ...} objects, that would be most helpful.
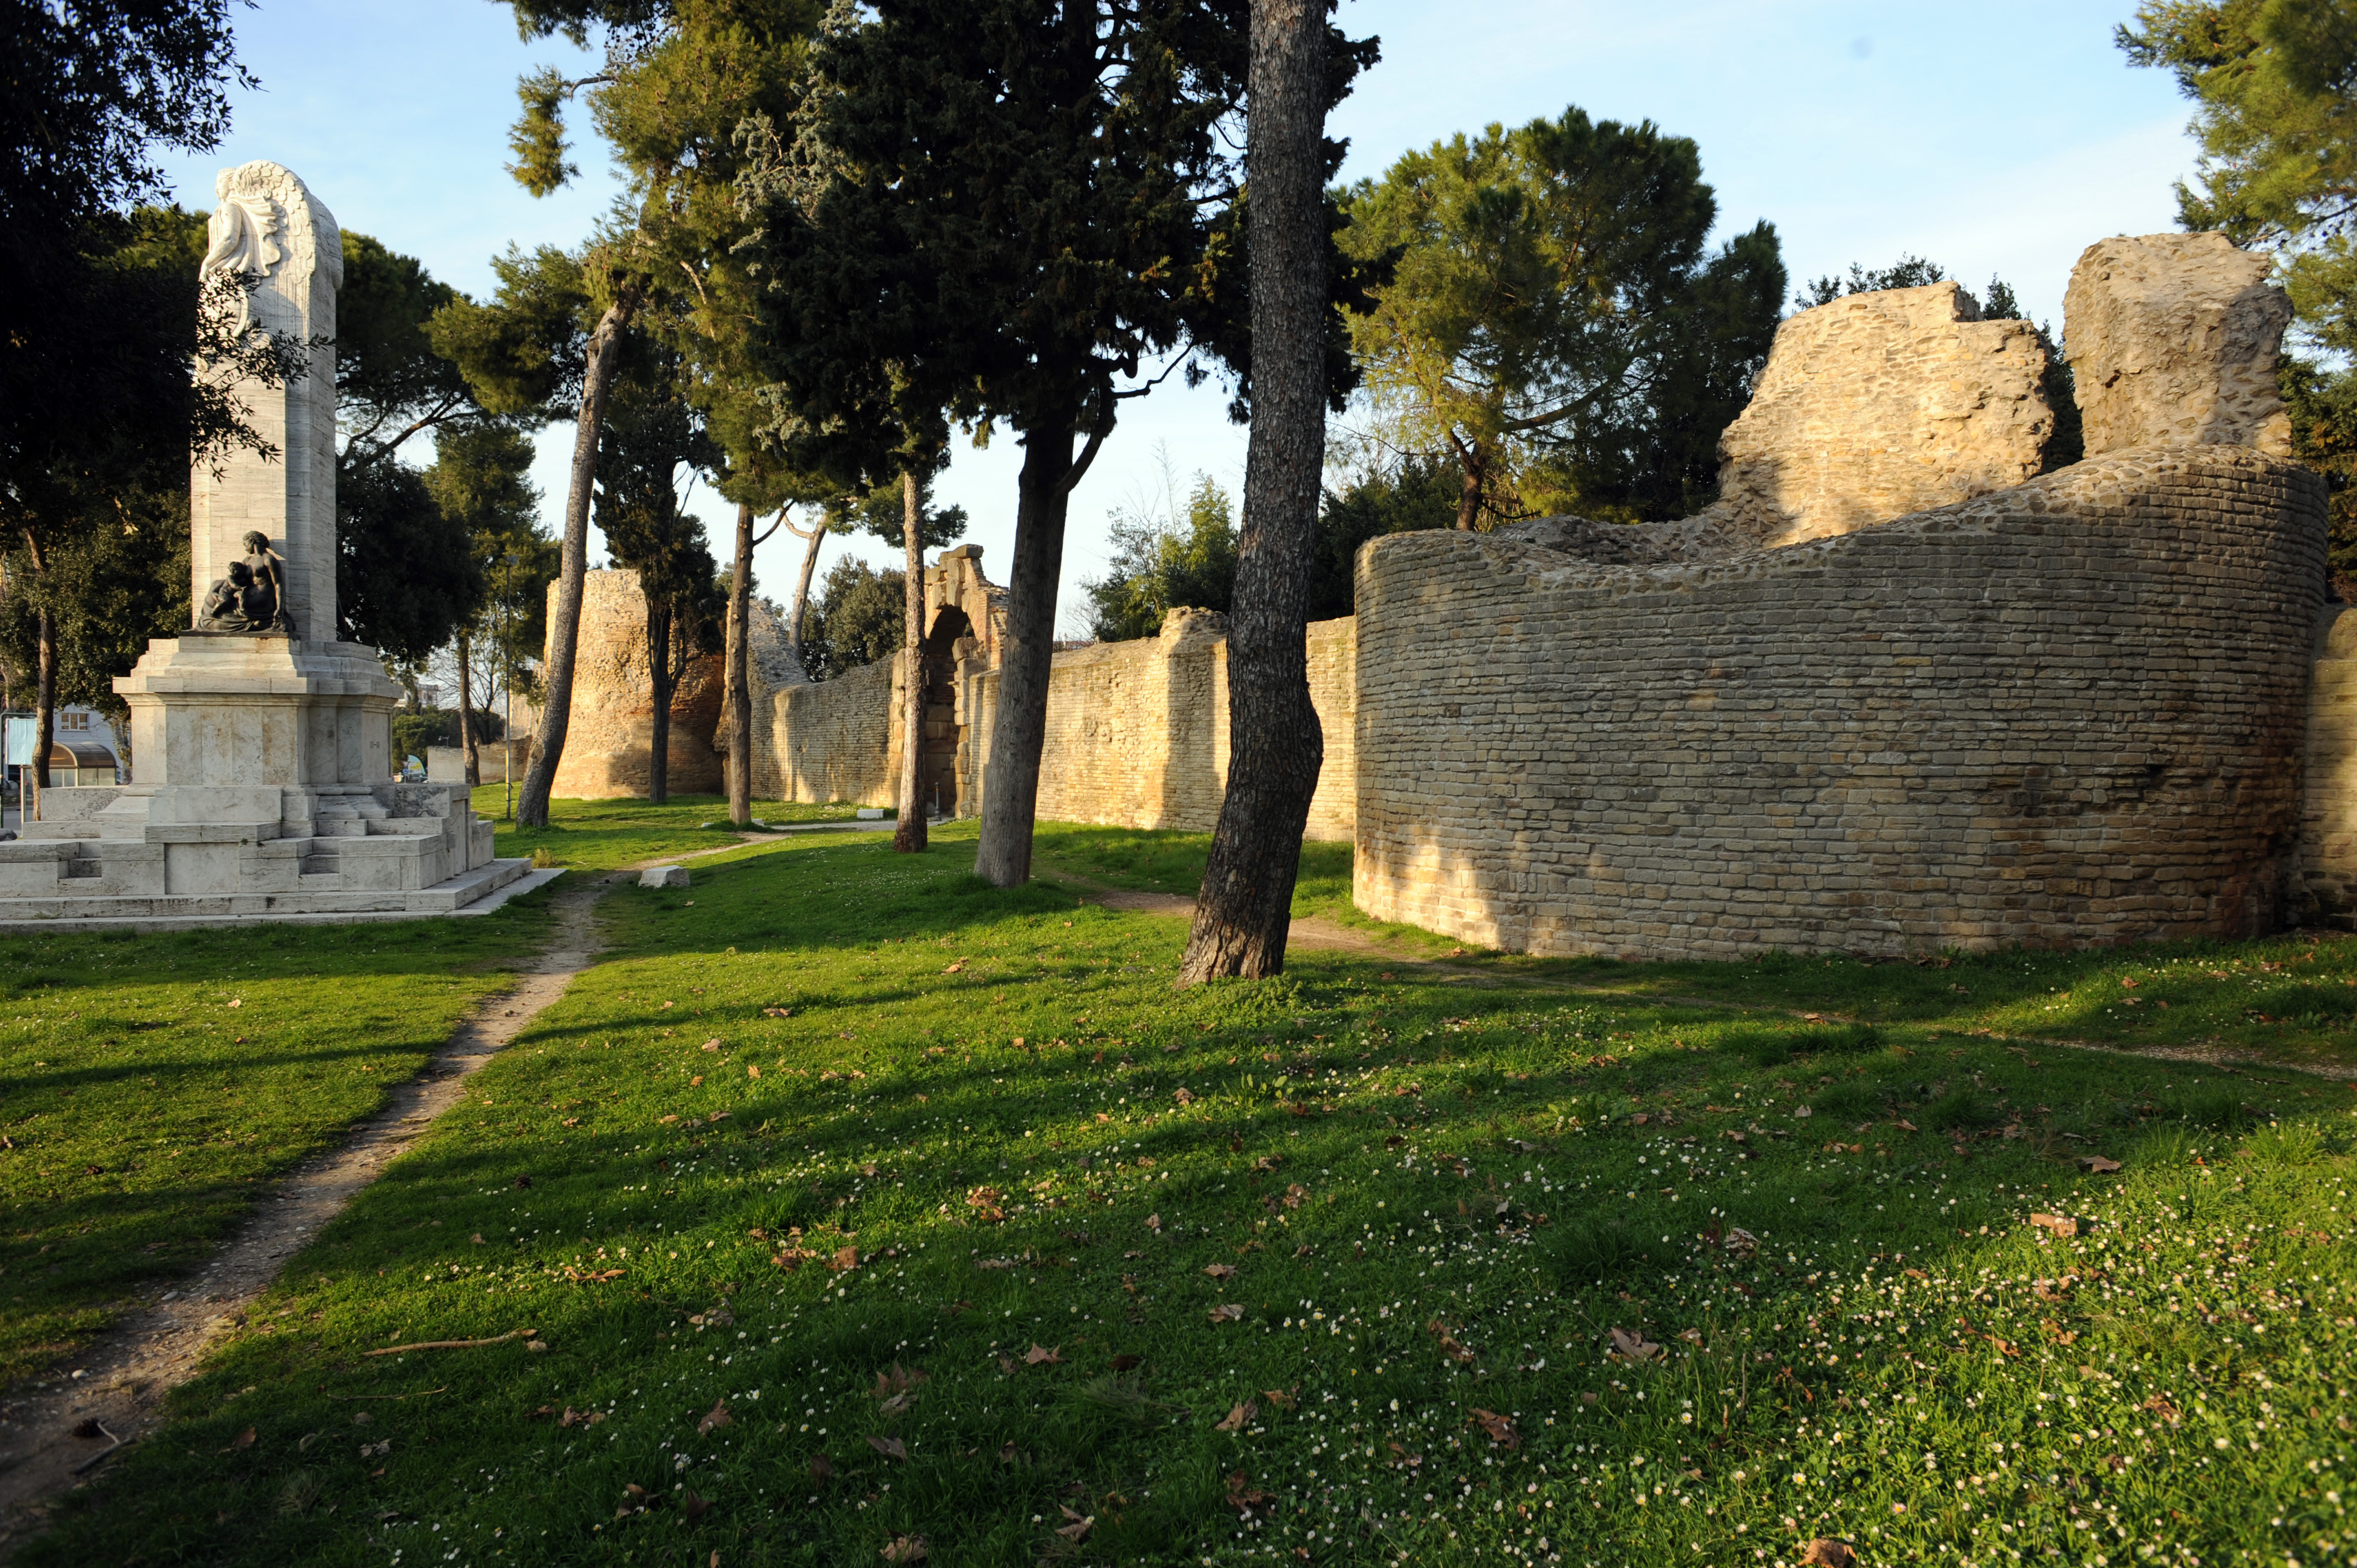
[{"x": 264, "y": 790}]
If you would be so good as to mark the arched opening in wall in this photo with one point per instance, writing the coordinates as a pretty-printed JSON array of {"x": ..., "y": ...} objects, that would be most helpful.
[{"x": 937, "y": 785}]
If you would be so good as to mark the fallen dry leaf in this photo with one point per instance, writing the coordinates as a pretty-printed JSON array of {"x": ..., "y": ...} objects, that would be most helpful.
[
  {"x": 890, "y": 1447},
  {"x": 1183, "y": 1097},
  {"x": 1634, "y": 1347},
  {"x": 955, "y": 968},
  {"x": 712, "y": 1044},
  {"x": 1040, "y": 1355},
  {"x": 717, "y": 1416},
  {"x": 904, "y": 1549},
  {"x": 1500, "y": 1430},
  {"x": 1741, "y": 1242},
  {"x": 1078, "y": 1530},
  {"x": 1230, "y": 1313},
  {"x": 243, "y": 1440},
  {"x": 895, "y": 1380},
  {"x": 822, "y": 1468},
  {"x": 1449, "y": 1347},
  {"x": 846, "y": 1258},
  {"x": 2059, "y": 1224},
  {"x": 1279, "y": 1398},
  {"x": 2096, "y": 1165},
  {"x": 1241, "y": 1496},
  {"x": 694, "y": 1507},
  {"x": 776, "y": 1012},
  {"x": 1154, "y": 1223},
  {"x": 1221, "y": 1270},
  {"x": 1239, "y": 1418},
  {"x": 1826, "y": 1553}
]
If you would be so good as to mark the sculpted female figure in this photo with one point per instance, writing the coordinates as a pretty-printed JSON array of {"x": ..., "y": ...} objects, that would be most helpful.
[{"x": 252, "y": 597}]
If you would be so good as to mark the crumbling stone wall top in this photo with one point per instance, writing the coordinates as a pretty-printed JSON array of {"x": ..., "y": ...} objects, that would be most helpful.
[{"x": 2173, "y": 339}]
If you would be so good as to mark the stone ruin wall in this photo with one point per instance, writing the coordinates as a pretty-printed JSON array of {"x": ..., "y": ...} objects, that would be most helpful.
[
  {"x": 610, "y": 737},
  {"x": 1900, "y": 689},
  {"x": 1137, "y": 731},
  {"x": 2068, "y": 711}
]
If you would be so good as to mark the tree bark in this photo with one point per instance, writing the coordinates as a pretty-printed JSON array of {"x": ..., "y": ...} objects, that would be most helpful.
[
  {"x": 466, "y": 712},
  {"x": 45, "y": 709},
  {"x": 564, "y": 625},
  {"x": 817, "y": 536},
  {"x": 739, "y": 699},
  {"x": 1276, "y": 746},
  {"x": 909, "y": 834},
  {"x": 661, "y": 677},
  {"x": 1471, "y": 460},
  {"x": 1019, "y": 731}
]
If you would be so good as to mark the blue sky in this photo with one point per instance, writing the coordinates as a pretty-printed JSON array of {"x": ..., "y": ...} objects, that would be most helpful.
[{"x": 2001, "y": 139}]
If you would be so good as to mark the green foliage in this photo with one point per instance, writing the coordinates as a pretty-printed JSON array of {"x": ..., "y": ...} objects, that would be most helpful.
[
  {"x": 1909, "y": 271},
  {"x": 1001, "y": 208},
  {"x": 406, "y": 575},
  {"x": 1413, "y": 490},
  {"x": 522, "y": 353},
  {"x": 1162, "y": 563},
  {"x": 1553, "y": 309},
  {"x": 861, "y": 615},
  {"x": 2322, "y": 404},
  {"x": 414, "y": 732},
  {"x": 882, "y": 514},
  {"x": 391, "y": 385},
  {"x": 108, "y": 588},
  {"x": 93, "y": 89}
]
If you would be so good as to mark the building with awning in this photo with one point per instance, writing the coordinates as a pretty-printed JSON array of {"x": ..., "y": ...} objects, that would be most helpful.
[{"x": 74, "y": 763}]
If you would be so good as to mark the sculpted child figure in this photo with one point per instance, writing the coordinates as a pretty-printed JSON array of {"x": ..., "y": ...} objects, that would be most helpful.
[{"x": 252, "y": 597}]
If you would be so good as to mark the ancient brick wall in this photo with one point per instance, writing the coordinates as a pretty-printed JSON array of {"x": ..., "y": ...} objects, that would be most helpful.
[
  {"x": 1136, "y": 735},
  {"x": 2328, "y": 828},
  {"x": 1136, "y": 732},
  {"x": 1334, "y": 692},
  {"x": 610, "y": 737},
  {"x": 2067, "y": 712},
  {"x": 831, "y": 740}
]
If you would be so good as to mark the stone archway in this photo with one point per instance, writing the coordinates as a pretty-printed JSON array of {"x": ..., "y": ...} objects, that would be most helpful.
[{"x": 936, "y": 782}]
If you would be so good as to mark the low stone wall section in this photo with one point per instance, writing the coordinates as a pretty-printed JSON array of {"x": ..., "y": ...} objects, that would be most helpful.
[
  {"x": 1136, "y": 732},
  {"x": 2069, "y": 712},
  {"x": 831, "y": 740}
]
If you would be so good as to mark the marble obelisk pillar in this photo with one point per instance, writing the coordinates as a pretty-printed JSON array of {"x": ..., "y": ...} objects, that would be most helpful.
[{"x": 269, "y": 228}]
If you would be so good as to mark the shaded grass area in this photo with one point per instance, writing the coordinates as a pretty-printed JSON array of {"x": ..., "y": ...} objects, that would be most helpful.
[
  {"x": 2292, "y": 998},
  {"x": 149, "y": 1082},
  {"x": 1323, "y": 1269},
  {"x": 602, "y": 835}
]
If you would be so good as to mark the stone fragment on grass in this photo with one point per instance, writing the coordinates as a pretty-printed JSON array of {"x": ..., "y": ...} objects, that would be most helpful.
[{"x": 663, "y": 876}]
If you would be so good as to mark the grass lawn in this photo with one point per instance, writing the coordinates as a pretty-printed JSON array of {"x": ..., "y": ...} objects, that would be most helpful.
[
  {"x": 149, "y": 1082},
  {"x": 601, "y": 835},
  {"x": 856, "y": 1204}
]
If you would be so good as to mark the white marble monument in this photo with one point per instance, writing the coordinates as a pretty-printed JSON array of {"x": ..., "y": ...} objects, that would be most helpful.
[{"x": 263, "y": 778}]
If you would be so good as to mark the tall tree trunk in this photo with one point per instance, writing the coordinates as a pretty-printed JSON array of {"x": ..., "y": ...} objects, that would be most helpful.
[
  {"x": 467, "y": 712},
  {"x": 661, "y": 676},
  {"x": 909, "y": 835},
  {"x": 1276, "y": 745},
  {"x": 739, "y": 699},
  {"x": 564, "y": 623},
  {"x": 817, "y": 536},
  {"x": 45, "y": 708},
  {"x": 1474, "y": 463},
  {"x": 1010, "y": 791}
]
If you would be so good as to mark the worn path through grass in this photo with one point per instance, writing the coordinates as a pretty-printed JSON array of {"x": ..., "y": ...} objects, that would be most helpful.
[{"x": 860, "y": 1205}]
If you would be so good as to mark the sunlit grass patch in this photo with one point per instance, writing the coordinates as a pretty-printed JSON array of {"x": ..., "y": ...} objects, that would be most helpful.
[{"x": 1330, "y": 1265}]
